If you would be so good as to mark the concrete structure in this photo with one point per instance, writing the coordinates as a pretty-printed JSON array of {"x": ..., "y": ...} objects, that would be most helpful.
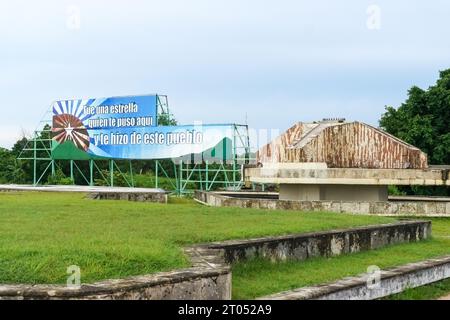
[
  {"x": 98, "y": 192},
  {"x": 337, "y": 160},
  {"x": 372, "y": 286},
  {"x": 333, "y": 192},
  {"x": 300, "y": 181},
  {"x": 210, "y": 274},
  {"x": 395, "y": 206},
  {"x": 342, "y": 144},
  {"x": 324, "y": 243}
]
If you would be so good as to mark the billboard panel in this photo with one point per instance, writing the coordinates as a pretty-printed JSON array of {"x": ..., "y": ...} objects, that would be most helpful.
[{"x": 126, "y": 128}]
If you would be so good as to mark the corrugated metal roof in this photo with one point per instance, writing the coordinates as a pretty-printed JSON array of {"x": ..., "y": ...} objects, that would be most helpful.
[{"x": 342, "y": 145}]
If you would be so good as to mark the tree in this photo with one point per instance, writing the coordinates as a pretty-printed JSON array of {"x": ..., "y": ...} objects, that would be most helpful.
[
  {"x": 166, "y": 119},
  {"x": 423, "y": 120},
  {"x": 11, "y": 170}
]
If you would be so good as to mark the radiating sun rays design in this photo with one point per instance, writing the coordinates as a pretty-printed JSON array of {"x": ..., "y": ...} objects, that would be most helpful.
[
  {"x": 68, "y": 117},
  {"x": 67, "y": 127}
]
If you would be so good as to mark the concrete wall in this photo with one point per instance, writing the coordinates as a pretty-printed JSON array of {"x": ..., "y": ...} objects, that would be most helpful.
[
  {"x": 204, "y": 281},
  {"x": 98, "y": 192},
  {"x": 193, "y": 283},
  {"x": 300, "y": 192},
  {"x": 313, "y": 192},
  {"x": 388, "y": 208},
  {"x": 324, "y": 244},
  {"x": 160, "y": 197},
  {"x": 282, "y": 174},
  {"x": 364, "y": 288}
]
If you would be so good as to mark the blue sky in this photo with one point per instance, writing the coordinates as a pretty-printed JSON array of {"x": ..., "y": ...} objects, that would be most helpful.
[{"x": 276, "y": 62}]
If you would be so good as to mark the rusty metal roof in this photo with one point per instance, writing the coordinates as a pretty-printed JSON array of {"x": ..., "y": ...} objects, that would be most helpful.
[{"x": 342, "y": 145}]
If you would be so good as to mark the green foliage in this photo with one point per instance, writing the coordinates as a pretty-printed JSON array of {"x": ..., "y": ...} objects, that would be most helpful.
[
  {"x": 120, "y": 180},
  {"x": 22, "y": 170},
  {"x": 59, "y": 178},
  {"x": 423, "y": 120},
  {"x": 395, "y": 191},
  {"x": 10, "y": 169},
  {"x": 166, "y": 119},
  {"x": 148, "y": 180}
]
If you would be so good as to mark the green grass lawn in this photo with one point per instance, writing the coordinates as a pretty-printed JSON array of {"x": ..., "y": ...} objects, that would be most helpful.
[
  {"x": 261, "y": 277},
  {"x": 41, "y": 234}
]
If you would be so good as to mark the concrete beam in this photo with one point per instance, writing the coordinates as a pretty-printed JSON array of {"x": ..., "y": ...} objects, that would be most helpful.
[{"x": 347, "y": 176}]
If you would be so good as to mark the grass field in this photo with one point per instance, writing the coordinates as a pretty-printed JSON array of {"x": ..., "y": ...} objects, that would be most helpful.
[
  {"x": 260, "y": 277},
  {"x": 41, "y": 234}
]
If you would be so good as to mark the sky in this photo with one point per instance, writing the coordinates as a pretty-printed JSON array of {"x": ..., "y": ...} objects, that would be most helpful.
[{"x": 265, "y": 63}]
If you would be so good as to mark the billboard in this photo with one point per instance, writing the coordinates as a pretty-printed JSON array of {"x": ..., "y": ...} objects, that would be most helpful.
[{"x": 126, "y": 128}]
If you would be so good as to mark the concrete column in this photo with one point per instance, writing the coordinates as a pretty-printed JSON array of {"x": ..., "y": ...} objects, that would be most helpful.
[
  {"x": 311, "y": 192},
  {"x": 307, "y": 192}
]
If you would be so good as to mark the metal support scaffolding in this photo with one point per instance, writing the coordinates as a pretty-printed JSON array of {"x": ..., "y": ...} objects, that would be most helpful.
[
  {"x": 38, "y": 149},
  {"x": 183, "y": 176},
  {"x": 225, "y": 174}
]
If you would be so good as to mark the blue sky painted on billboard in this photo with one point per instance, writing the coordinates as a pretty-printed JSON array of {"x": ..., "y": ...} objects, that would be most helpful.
[{"x": 274, "y": 62}]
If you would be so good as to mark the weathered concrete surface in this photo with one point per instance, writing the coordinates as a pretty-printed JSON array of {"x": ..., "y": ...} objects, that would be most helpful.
[
  {"x": 192, "y": 283},
  {"x": 317, "y": 161},
  {"x": 342, "y": 145},
  {"x": 161, "y": 197},
  {"x": 98, "y": 192},
  {"x": 323, "y": 244},
  {"x": 437, "y": 208},
  {"x": 363, "y": 287},
  {"x": 281, "y": 174},
  {"x": 208, "y": 279},
  {"x": 314, "y": 192}
]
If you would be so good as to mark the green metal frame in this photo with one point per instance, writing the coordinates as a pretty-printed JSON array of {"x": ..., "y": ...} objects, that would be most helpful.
[
  {"x": 208, "y": 174},
  {"x": 40, "y": 143}
]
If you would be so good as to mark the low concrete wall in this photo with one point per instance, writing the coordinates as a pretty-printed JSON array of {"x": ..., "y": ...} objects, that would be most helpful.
[
  {"x": 97, "y": 192},
  {"x": 208, "y": 279},
  {"x": 193, "y": 283},
  {"x": 329, "y": 192},
  {"x": 388, "y": 208},
  {"x": 160, "y": 197},
  {"x": 390, "y": 282},
  {"x": 324, "y": 244}
]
